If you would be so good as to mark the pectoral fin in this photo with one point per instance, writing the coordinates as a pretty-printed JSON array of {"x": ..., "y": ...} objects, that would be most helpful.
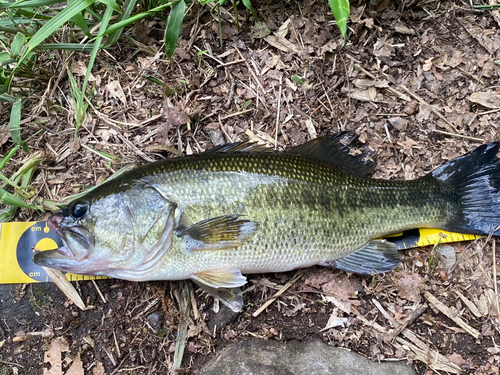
[
  {"x": 377, "y": 256},
  {"x": 223, "y": 284},
  {"x": 219, "y": 233}
]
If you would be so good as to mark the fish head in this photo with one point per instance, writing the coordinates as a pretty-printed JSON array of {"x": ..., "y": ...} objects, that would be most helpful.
[
  {"x": 95, "y": 233},
  {"x": 119, "y": 235}
]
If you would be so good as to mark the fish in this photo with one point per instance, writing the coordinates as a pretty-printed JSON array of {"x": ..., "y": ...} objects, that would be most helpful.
[{"x": 243, "y": 208}]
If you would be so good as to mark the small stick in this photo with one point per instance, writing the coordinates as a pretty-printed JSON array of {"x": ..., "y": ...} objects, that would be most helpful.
[
  {"x": 236, "y": 114},
  {"x": 390, "y": 89},
  {"x": 452, "y": 315},
  {"x": 297, "y": 276},
  {"x": 116, "y": 344},
  {"x": 392, "y": 114},
  {"x": 328, "y": 98},
  {"x": 251, "y": 71},
  {"x": 278, "y": 117},
  {"x": 435, "y": 111},
  {"x": 495, "y": 276},
  {"x": 458, "y": 135},
  {"x": 99, "y": 291},
  {"x": 417, "y": 313},
  {"x": 488, "y": 112},
  {"x": 231, "y": 95}
]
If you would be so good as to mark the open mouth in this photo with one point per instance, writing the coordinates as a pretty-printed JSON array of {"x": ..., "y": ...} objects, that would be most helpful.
[{"x": 53, "y": 222}]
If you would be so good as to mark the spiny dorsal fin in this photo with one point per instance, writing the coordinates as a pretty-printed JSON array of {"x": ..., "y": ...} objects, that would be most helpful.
[
  {"x": 245, "y": 146},
  {"x": 343, "y": 150}
]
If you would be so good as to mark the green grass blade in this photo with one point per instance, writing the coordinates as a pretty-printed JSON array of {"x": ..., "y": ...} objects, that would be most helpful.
[
  {"x": 30, "y": 4},
  {"x": 17, "y": 45},
  {"x": 126, "y": 22},
  {"x": 8, "y": 156},
  {"x": 45, "y": 31},
  {"x": 15, "y": 121},
  {"x": 129, "y": 7},
  {"x": 80, "y": 21},
  {"x": 68, "y": 47},
  {"x": 10, "y": 199},
  {"x": 341, "y": 11},
  {"x": 173, "y": 28}
]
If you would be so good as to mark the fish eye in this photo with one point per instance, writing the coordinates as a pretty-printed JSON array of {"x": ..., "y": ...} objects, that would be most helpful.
[{"x": 79, "y": 209}]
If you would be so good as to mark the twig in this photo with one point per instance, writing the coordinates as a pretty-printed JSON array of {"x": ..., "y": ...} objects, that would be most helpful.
[
  {"x": 495, "y": 276},
  {"x": 230, "y": 63},
  {"x": 278, "y": 116},
  {"x": 488, "y": 112},
  {"x": 417, "y": 313},
  {"x": 251, "y": 71},
  {"x": 472, "y": 307},
  {"x": 458, "y": 135},
  {"x": 99, "y": 291},
  {"x": 435, "y": 111},
  {"x": 297, "y": 276},
  {"x": 452, "y": 315},
  {"x": 390, "y": 89},
  {"x": 231, "y": 95},
  {"x": 236, "y": 114}
]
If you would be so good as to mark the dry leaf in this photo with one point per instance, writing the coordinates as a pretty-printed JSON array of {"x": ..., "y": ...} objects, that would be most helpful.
[
  {"x": 457, "y": 359},
  {"x": 409, "y": 286},
  {"x": 486, "y": 99},
  {"x": 335, "y": 321},
  {"x": 174, "y": 116},
  {"x": 368, "y": 95},
  {"x": 281, "y": 44},
  {"x": 116, "y": 91},
  {"x": 77, "y": 367},
  {"x": 53, "y": 356},
  {"x": 98, "y": 369},
  {"x": 80, "y": 69},
  {"x": 311, "y": 129},
  {"x": 343, "y": 287}
]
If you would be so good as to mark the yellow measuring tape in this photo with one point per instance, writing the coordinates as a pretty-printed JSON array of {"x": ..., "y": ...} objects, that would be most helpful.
[{"x": 18, "y": 239}]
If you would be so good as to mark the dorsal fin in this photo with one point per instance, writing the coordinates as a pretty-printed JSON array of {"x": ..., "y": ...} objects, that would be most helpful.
[
  {"x": 245, "y": 146},
  {"x": 343, "y": 150}
]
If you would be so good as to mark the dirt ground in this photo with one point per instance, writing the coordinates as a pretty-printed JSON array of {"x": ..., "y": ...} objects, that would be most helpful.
[{"x": 419, "y": 85}]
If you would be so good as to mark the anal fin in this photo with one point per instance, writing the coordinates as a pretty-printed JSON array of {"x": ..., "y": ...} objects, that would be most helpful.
[
  {"x": 231, "y": 297},
  {"x": 223, "y": 284},
  {"x": 221, "y": 278},
  {"x": 376, "y": 256}
]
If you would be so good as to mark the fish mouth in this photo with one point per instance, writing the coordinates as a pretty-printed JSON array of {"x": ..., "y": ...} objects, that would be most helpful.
[
  {"x": 53, "y": 222},
  {"x": 51, "y": 258},
  {"x": 77, "y": 244}
]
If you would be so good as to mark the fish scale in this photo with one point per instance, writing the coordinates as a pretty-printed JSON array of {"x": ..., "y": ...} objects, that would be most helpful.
[{"x": 326, "y": 214}]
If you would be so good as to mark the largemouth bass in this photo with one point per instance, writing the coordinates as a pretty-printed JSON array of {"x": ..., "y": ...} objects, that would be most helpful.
[{"x": 241, "y": 208}]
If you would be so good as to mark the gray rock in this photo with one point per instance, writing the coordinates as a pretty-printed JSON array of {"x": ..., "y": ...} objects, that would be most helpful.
[{"x": 296, "y": 358}]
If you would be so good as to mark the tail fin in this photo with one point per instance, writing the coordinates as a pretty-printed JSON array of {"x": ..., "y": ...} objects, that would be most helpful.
[{"x": 473, "y": 185}]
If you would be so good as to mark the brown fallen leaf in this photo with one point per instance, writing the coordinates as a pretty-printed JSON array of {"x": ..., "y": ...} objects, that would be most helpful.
[
  {"x": 409, "y": 286},
  {"x": 281, "y": 44},
  {"x": 343, "y": 287},
  {"x": 53, "y": 356},
  {"x": 98, "y": 369},
  {"x": 77, "y": 367},
  {"x": 116, "y": 91},
  {"x": 486, "y": 99}
]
